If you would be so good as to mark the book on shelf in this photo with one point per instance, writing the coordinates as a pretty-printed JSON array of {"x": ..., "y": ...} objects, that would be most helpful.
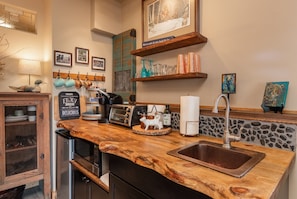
[{"x": 155, "y": 41}]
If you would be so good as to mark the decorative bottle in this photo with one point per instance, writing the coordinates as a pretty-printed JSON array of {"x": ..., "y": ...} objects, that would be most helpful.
[
  {"x": 143, "y": 70},
  {"x": 167, "y": 117}
]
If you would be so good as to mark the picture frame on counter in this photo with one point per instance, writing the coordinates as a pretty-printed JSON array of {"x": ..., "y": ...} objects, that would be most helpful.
[
  {"x": 163, "y": 18},
  {"x": 98, "y": 63},
  {"x": 81, "y": 55},
  {"x": 62, "y": 58}
]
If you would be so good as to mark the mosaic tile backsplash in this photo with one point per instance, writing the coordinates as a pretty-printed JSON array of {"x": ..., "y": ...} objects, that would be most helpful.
[{"x": 268, "y": 134}]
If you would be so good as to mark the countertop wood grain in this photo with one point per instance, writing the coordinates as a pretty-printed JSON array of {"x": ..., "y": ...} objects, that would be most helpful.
[{"x": 262, "y": 182}]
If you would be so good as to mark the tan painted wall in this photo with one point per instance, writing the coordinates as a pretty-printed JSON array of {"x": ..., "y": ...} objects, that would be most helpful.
[
  {"x": 24, "y": 45},
  {"x": 253, "y": 39},
  {"x": 74, "y": 30}
]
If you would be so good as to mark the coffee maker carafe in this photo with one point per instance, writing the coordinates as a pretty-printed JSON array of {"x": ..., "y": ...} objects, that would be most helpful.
[{"x": 105, "y": 102}]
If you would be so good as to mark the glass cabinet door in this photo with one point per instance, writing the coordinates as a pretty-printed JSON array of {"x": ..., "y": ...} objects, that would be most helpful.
[{"x": 21, "y": 152}]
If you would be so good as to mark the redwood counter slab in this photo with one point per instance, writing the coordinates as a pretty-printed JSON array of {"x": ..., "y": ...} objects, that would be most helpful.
[{"x": 262, "y": 182}]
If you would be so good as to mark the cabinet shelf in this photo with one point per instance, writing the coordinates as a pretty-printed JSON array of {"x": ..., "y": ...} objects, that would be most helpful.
[
  {"x": 171, "y": 77},
  {"x": 19, "y": 123},
  {"x": 175, "y": 43},
  {"x": 20, "y": 148}
]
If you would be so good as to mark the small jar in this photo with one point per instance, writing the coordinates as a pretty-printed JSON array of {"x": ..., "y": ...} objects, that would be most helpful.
[{"x": 31, "y": 110}]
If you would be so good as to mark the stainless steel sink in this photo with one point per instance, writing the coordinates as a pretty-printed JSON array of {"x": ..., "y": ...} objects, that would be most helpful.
[{"x": 235, "y": 161}]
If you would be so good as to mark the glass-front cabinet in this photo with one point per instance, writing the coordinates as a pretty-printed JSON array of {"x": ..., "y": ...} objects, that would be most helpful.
[
  {"x": 24, "y": 140},
  {"x": 20, "y": 141}
]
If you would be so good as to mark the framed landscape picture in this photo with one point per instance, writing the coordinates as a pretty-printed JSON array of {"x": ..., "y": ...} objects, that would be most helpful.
[{"x": 166, "y": 18}]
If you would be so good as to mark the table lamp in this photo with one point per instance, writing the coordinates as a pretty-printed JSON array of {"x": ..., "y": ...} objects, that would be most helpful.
[{"x": 29, "y": 67}]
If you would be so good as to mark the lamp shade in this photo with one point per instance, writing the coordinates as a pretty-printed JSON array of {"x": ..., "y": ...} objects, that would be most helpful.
[{"x": 29, "y": 67}]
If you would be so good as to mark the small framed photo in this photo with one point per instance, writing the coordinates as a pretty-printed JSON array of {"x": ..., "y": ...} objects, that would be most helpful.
[
  {"x": 98, "y": 63},
  {"x": 81, "y": 55},
  {"x": 229, "y": 83},
  {"x": 62, "y": 58}
]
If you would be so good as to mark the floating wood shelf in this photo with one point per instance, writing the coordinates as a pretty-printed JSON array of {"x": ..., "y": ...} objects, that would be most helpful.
[
  {"x": 81, "y": 76},
  {"x": 175, "y": 43},
  {"x": 171, "y": 77}
]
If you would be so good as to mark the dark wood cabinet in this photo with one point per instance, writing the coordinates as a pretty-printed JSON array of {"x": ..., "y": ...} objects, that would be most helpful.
[
  {"x": 123, "y": 190},
  {"x": 85, "y": 188},
  {"x": 127, "y": 177}
]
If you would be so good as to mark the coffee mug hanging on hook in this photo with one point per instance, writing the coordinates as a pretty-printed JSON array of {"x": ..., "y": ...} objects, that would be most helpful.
[
  {"x": 69, "y": 81},
  {"x": 87, "y": 83},
  {"x": 59, "y": 82},
  {"x": 78, "y": 82}
]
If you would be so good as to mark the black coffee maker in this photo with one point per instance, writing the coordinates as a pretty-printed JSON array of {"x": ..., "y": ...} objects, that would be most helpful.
[{"x": 105, "y": 102}]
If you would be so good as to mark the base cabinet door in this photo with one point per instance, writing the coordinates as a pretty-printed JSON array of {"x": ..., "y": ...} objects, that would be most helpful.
[
  {"x": 131, "y": 181},
  {"x": 84, "y": 188},
  {"x": 119, "y": 189},
  {"x": 81, "y": 186},
  {"x": 97, "y": 192}
]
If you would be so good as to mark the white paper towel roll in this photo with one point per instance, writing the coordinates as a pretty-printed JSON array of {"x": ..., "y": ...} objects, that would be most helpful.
[{"x": 189, "y": 115}]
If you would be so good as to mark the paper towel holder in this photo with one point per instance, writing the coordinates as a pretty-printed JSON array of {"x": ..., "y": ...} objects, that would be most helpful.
[{"x": 191, "y": 123}]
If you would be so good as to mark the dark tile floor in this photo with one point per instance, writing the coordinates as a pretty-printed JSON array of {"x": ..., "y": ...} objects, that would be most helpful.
[{"x": 33, "y": 193}]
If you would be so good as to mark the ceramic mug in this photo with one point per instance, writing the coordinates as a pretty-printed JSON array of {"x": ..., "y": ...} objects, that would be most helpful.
[
  {"x": 32, "y": 118},
  {"x": 19, "y": 112},
  {"x": 59, "y": 82},
  {"x": 69, "y": 82}
]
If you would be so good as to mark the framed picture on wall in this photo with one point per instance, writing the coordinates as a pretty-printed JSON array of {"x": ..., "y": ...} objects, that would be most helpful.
[
  {"x": 229, "y": 83},
  {"x": 98, "y": 63},
  {"x": 81, "y": 55},
  {"x": 62, "y": 58},
  {"x": 166, "y": 18}
]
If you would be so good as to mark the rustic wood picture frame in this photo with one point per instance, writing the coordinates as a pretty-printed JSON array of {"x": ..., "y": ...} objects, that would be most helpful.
[
  {"x": 62, "y": 58},
  {"x": 159, "y": 24},
  {"x": 81, "y": 55},
  {"x": 98, "y": 63}
]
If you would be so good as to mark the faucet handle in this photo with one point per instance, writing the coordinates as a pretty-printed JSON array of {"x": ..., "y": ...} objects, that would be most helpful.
[
  {"x": 240, "y": 131},
  {"x": 238, "y": 137}
]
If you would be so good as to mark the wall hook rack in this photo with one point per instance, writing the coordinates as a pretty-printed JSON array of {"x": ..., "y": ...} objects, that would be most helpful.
[{"x": 81, "y": 76}]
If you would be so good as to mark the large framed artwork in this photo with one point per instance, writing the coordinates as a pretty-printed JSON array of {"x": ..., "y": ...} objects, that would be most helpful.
[
  {"x": 166, "y": 18},
  {"x": 17, "y": 18}
]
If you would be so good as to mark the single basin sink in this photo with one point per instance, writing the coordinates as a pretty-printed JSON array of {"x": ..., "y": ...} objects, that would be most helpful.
[{"x": 235, "y": 161}]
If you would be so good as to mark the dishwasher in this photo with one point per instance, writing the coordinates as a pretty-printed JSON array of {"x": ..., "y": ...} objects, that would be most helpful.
[{"x": 65, "y": 151}]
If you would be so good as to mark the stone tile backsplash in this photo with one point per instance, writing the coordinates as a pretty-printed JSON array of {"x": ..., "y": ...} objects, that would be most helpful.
[{"x": 268, "y": 134}]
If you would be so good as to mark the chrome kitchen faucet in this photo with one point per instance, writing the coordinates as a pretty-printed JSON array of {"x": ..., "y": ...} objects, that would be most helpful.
[{"x": 227, "y": 138}]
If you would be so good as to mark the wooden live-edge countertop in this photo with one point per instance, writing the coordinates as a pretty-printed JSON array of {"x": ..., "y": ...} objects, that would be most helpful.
[{"x": 262, "y": 182}]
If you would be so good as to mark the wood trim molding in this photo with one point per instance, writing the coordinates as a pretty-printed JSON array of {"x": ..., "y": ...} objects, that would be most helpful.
[{"x": 288, "y": 117}]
